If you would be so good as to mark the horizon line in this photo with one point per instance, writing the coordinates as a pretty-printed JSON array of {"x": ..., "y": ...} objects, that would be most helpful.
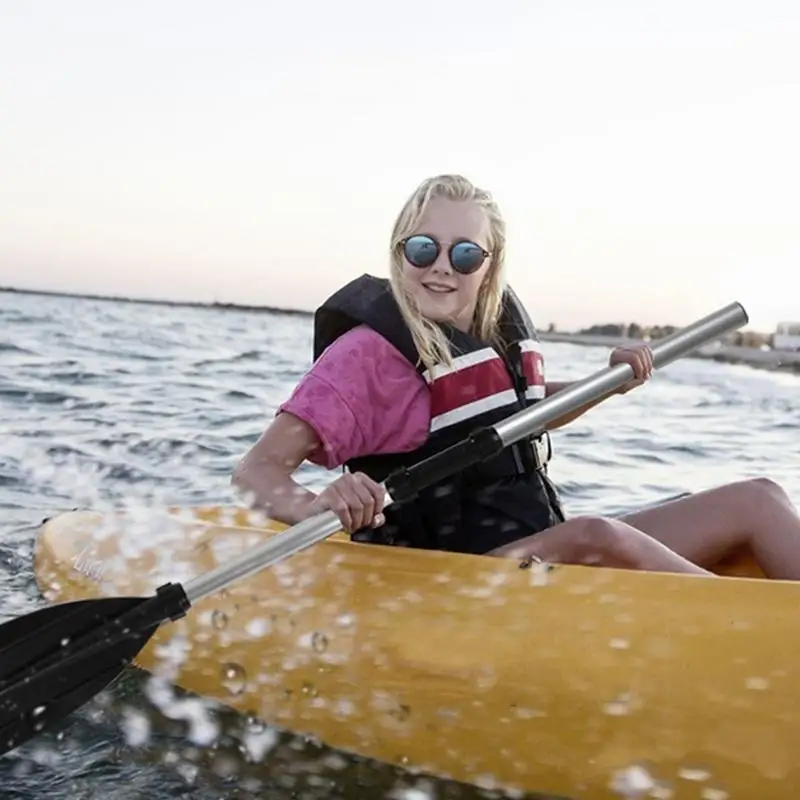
[{"x": 110, "y": 298}]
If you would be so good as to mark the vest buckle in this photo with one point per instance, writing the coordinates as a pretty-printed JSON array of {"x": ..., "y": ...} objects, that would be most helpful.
[{"x": 536, "y": 452}]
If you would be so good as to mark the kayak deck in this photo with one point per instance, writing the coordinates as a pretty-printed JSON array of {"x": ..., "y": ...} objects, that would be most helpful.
[{"x": 545, "y": 679}]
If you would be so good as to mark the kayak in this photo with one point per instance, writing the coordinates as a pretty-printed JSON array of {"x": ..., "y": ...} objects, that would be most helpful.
[{"x": 582, "y": 682}]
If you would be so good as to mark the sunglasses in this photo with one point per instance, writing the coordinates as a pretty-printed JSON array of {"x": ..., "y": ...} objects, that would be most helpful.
[{"x": 423, "y": 250}]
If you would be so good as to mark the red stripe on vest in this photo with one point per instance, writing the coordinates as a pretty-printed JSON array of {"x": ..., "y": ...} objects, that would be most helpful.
[
  {"x": 533, "y": 366},
  {"x": 466, "y": 385}
]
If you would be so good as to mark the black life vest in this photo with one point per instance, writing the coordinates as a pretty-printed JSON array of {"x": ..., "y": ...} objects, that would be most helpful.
[{"x": 489, "y": 504}]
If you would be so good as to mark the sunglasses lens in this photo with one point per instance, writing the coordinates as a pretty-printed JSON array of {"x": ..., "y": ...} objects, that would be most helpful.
[
  {"x": 467, "y": 257},
  {"x": 421, "y": 251}
]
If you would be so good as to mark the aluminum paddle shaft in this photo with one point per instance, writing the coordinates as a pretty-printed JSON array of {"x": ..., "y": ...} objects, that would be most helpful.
[{"x": 484, "y": 443}]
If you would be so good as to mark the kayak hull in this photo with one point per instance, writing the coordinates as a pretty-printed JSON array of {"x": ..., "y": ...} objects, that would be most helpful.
[{"x": 569, "y": 680}]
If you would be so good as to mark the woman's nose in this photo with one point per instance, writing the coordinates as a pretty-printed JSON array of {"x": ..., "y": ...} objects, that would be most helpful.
[{"x": 442, "y": 264}]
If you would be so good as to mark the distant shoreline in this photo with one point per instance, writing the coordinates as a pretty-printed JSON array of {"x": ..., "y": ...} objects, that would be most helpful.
[
  {"x": 108, "y": 298},
  {"x": 726, "y": 353},
  {"x": 781, "y": 360}
]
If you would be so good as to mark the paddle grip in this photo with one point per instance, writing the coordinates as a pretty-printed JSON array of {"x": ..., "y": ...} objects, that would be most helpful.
[{"x": 405, "y": 483}]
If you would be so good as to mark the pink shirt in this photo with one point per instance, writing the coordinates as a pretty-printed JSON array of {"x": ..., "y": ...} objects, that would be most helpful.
[{"x": 362, "y": 397}]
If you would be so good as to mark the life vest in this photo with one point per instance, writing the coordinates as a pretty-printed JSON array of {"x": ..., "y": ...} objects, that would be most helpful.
[{"x": 485, "y": 505}]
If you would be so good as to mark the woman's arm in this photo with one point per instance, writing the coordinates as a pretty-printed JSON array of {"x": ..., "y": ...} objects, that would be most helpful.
[
  {"x": 264, "y": 475},
  {"x": 361, "y": 397},
  {"x": 556, "y": 386},
  {"x": 638, "y": 357}
]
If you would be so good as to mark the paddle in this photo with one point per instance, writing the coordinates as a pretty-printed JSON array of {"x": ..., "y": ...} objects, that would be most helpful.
[{"x": 55, "y": 659}]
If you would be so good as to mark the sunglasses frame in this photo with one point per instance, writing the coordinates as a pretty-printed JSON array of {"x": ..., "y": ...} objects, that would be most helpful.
[{"x": 402, "y": 245}]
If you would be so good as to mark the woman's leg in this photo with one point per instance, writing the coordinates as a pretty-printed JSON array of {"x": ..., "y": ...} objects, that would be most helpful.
[
  {"x": 708, "y": 526},
  {"x": 601, "y": 542}
]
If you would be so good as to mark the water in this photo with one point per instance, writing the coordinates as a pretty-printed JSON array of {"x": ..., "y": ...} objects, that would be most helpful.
[{"x": 105, "y": 403}]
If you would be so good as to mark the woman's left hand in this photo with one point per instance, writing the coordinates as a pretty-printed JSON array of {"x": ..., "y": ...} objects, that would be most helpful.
[{"x": 640, "y": 358}]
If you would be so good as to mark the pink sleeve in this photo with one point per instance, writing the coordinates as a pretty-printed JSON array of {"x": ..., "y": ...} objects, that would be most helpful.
[{"x": 362, "y": 397}]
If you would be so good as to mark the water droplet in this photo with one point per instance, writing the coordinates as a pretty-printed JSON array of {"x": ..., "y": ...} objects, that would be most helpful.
[
  {"x": 757, "y": 684},
  {"x": 661, "y": 792},
  {"x": 694, "y": 774},
  {"x": 309, "y": 689},
  {"x": 319, "y": 642},
  {"x": 258, "y": 627},
  {"x": 254, "y": 724},
  {"x": 713, "y": 794},
  {"x": 401, "y": 713},
  {"x": 38, "y": 711},
  {"x": 344, "y": 707},
  {"x": 219, "y": 619},
  {"x": 619, "y": 706},
  {"x": 234, "y": 678},
  {"x": 633, "y": 781}
]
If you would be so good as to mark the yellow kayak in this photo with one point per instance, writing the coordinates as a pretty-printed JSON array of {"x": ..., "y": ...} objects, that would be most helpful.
[{"x": 578, "y": 681}]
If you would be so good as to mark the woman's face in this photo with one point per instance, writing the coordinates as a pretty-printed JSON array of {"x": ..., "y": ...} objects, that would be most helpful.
[{"x": 443, "y": 293}]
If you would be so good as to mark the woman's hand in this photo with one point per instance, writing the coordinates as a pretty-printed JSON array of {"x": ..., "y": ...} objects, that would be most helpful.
[
  {"x": 355, "y": 498},
  {"x": 640, "y": 358}
]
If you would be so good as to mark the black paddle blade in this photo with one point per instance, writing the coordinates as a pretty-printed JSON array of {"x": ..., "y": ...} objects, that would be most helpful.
[{"x": 54, "y": 660}]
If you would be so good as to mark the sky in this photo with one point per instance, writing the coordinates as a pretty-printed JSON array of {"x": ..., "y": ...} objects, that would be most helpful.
[{"x": 646, "y": 155}]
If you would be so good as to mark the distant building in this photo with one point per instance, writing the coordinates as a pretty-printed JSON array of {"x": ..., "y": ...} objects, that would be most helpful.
[{"x": 786, "y": 336}]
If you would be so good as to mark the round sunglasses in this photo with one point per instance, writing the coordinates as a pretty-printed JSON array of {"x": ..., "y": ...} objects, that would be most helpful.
[{"x": 422, "y": 250}]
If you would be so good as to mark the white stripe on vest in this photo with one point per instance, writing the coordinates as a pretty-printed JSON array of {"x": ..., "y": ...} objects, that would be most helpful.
[
  {"x": 461, "y": 362},
  {"x": 474, "y": 409}
]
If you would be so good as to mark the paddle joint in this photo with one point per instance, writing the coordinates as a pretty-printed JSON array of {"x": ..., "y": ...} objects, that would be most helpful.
[{"x": 175, "y": 601}]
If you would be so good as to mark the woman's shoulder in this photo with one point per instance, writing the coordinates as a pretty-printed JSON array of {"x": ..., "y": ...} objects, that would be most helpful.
[
  {"x": 360, "y": 341},
  {"x": 366, "y": 368},
  {"x": 362, "y": 396}
]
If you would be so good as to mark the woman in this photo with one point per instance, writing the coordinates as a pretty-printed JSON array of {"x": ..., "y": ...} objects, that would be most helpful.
[{"x": 406, "y": 367}]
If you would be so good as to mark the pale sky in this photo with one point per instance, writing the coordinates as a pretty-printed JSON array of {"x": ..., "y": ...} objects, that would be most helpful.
[{"x": 646, "y": 154}]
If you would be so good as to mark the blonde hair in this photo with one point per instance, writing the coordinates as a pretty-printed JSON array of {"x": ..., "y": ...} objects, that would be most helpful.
[{"x": 430, "y": 340}]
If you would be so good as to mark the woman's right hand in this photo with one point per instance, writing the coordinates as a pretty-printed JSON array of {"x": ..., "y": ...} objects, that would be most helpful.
[{"x": 355, "y": 498}]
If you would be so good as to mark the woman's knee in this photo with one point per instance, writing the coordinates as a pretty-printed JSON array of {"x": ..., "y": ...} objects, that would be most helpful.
[
  {"x": 767, "y": 488},
  {"x": 605, "y": 541},
  {"x": 753, "y": 494},
  {"x": 580, "y": 540}
]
